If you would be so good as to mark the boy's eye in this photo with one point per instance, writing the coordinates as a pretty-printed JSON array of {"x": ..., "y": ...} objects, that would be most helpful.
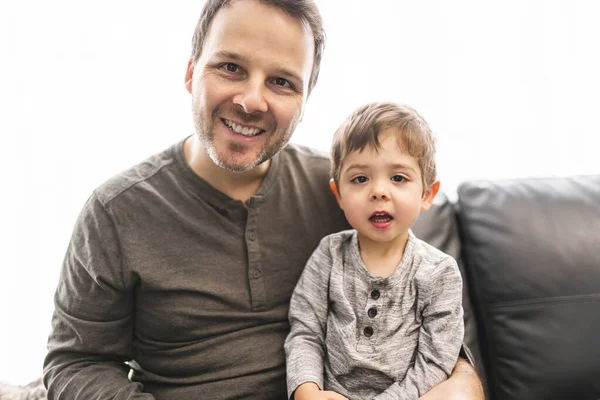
[
  {"x": 359, "y": 179},
  {"x": 398, "y": 178}
]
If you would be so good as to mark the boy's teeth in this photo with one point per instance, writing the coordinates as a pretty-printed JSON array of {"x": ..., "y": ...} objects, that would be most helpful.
[
  {"x": 381, "y": 217},
  {"x": 242, "y": 130}
]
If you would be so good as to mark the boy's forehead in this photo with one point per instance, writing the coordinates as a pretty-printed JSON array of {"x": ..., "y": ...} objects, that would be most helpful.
[
  {"x": 388, "y": 157},
  {"x": 388, "y": 141}
]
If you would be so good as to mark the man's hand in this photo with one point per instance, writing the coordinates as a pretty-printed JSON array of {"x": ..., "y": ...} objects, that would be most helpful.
[
  {"x": 463, "y": 384},
  {"x": 310, "y": 391}
]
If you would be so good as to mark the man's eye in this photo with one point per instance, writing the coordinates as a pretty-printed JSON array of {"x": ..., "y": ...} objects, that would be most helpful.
[
  {"x": 282, "y": 82},
  {"x": 360, "y": 179},
  {"x": 230, "y": 67},
  {"x": 398, "y": 178}
]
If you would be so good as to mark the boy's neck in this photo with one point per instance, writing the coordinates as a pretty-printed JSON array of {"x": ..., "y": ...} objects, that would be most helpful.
[{"x": 382, "y": 258}]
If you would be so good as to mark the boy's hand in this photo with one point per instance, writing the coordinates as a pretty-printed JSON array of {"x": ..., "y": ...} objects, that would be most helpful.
[{"x": 310, "y": 391}]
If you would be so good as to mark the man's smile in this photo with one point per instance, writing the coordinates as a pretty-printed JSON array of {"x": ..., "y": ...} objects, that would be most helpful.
[{"x": 242, "y": 129}]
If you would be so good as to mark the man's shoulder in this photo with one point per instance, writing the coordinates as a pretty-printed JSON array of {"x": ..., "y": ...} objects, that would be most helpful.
[
  {"x": 306, "y": 152},
  {"x": 306, "y": 157},
  {"x": 135, "y": 175}
]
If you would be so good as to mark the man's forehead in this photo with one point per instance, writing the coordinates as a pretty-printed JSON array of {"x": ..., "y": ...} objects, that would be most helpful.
[
  {"x": 286, "y": 41},
  {"x": 240, "y": 15}
]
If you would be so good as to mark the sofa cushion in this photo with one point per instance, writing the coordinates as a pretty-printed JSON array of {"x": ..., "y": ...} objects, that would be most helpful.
[
  {"x": 532, "y": 253},
  {"x": 438, "y": 227}
]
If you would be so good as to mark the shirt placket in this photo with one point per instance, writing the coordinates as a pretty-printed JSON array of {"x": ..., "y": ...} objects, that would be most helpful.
[{"x": 255, "y": 268}]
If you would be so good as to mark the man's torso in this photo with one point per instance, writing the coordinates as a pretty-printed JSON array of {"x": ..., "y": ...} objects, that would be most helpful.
[{"x": 212, "y": 279}]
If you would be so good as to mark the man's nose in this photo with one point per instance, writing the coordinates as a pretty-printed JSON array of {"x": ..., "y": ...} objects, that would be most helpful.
[{"x": 251, "y": 97}]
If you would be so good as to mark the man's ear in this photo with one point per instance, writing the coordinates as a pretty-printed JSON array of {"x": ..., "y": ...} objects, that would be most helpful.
[
  {"x": 189, "y": 75},
  {"x": 335, "y": 191},
  {"x": 430, "y": 195}
]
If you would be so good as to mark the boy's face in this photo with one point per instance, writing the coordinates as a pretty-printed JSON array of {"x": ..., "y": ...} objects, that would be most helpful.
[{"x": 381, "y": 191}]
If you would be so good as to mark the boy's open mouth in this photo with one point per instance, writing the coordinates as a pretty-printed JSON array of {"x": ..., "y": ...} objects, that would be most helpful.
[{"x": 380, "y": 217}]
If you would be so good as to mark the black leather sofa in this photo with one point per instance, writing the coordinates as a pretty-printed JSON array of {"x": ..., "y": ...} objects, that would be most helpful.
[{"x": 529, "y": 251}]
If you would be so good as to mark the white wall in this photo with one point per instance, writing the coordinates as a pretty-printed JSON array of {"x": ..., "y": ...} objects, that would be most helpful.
[{"x": 510, "y": 88}]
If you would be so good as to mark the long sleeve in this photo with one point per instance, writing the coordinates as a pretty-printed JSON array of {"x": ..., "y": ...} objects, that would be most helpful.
[
  {"x": 92, "y": 324},
  {"x": 308, "y": 319},
  {"x": 440, "y": 336}
]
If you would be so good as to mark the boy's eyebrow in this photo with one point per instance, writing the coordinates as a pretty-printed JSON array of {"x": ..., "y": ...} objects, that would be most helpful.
[
  {"x": 357, "y": 166},
  {"x": 403, "y": 166},
  {"x": 392, "y": 166}
]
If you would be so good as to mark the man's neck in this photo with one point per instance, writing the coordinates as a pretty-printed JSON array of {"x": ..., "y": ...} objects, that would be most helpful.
[{"x": 237, "y": 185}]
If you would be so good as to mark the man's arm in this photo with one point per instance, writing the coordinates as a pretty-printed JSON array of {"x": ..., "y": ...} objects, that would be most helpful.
[
  {"x": 463, "y": 384},
  {"x": 92, "y": 327}
]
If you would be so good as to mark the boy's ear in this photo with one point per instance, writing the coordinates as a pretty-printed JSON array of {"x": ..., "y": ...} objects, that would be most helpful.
[
  {"x": 430, "y": 195},
  {"x": 335, "y": 191}
]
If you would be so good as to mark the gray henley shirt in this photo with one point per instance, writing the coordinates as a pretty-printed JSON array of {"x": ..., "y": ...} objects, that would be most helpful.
[{"x": 369, "y": 337}]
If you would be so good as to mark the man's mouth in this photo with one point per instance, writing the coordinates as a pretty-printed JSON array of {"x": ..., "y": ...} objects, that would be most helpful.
[
  {"x": 380, "y": 217},
  {"x": 243, "y": 130}
]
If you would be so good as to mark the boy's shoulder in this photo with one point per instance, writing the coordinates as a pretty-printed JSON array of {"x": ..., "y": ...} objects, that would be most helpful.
[
  {"x": 431, "y": 259},
  {"x": 338, "y": 239}
]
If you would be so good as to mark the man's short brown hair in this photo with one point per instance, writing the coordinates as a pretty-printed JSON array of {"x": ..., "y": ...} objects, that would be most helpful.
[
  {"x": 304, "y": 11},
  {"x": 363, "y": 127}
]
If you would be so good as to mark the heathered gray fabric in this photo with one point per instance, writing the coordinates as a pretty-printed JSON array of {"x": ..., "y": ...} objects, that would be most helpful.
[
  {"x": 417, "y": 331},
  {"x": 167, "y": 271}
]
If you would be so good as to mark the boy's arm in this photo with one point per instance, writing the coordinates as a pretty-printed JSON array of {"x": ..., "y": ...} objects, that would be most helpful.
[
  {"x": 92, "y": 327},
  {"x": 440, "y": 336},
  {"x": 308, "y": 321}
]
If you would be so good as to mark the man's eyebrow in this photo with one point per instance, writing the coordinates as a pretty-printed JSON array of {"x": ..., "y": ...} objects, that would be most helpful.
[
  {"x": 228, "y": 54},
  {"x": 286, "y": 73}
]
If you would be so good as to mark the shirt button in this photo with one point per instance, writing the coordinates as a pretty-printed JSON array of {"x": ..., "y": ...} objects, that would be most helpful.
[
  {"x": 368, "y": 331},
  {"x": 372, "y": 312},
  {"x": 375, "y": 294},
  {"x": 256, "y": 273},
  {"x": 252, "y": 236}
]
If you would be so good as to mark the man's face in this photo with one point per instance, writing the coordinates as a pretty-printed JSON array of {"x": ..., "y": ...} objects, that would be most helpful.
[{"x": 250, "y": 83}]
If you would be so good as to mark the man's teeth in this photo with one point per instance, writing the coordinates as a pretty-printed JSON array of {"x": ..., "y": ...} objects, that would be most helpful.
[{"x": 242, "y": 130}]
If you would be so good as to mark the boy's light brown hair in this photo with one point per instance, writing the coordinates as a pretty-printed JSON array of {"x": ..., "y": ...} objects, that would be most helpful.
[{"x": 363, "y": 127}]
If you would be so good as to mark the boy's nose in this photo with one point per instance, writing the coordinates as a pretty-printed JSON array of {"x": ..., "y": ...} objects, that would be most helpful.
[{"x": 379, "y": 193}]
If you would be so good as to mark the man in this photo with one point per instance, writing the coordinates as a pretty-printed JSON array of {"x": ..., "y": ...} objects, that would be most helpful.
[{"x": 183, "y": 266}]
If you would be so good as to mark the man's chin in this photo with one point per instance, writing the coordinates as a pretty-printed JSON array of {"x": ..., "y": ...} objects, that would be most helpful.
[{"x": 233, "y": 165}]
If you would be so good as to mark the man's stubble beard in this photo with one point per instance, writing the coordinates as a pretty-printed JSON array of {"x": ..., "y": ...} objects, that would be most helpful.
[{"x": 204, "y": 126}]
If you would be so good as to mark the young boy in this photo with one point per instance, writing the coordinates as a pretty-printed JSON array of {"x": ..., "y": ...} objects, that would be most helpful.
[{"x": 377, "y": 312}]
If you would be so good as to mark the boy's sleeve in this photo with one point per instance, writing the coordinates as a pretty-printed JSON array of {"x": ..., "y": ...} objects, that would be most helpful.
[
  {"x": 92, "y": 324},
  {"x": 308, "y": 320},
  {"x": 440, "y": 336}
]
